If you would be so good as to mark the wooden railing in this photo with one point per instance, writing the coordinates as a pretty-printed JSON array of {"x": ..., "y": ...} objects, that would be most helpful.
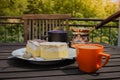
[{"x": 11, "y": 29}]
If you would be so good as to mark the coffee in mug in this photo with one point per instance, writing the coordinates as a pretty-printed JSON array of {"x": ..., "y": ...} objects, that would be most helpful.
[{"x": 89, "y": 57}]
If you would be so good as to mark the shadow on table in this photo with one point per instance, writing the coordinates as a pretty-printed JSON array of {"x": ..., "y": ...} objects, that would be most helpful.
[
  {"x": 15, "y": 62},
  {"x": 76, "y": 71}
]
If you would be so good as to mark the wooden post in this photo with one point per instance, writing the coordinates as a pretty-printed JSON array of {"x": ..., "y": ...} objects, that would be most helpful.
[
  {"x": 119, "y": 33},
  {"x": 118, "y": 8},
  {"x": 25, "y": 30}
]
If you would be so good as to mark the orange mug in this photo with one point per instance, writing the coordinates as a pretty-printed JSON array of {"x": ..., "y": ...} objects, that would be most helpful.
[{"x": 89, "y": 57}]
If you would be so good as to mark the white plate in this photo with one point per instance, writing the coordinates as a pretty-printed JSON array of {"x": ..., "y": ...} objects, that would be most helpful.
[{"x": 18, "y": 53}]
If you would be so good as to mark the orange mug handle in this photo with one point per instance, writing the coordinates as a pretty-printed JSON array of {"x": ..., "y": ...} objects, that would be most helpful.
[{"x": 107, "y": 56}]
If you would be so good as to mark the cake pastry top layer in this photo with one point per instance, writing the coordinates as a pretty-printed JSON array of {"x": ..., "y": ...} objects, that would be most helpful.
[
  {"x": 35, "y": 42},
  {"x": 57, "y": 44}
]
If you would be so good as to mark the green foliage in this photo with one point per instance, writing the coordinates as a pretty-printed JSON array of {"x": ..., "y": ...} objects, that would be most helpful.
[
  {"x": 77, "y": 8},
  {"x": 33, "y": 7},
  {"x": 12, "y": 7},
  {"x": 11, "y": 33}
]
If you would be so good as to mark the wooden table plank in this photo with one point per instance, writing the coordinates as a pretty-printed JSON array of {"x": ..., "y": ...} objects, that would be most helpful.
[
  {"x": 21, "y": 66},
  {"x": 42, "y": 68},
  {"x": 62, "y": 75}
]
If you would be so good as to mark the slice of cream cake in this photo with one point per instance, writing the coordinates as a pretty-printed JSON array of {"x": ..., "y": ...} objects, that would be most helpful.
[
  {"x": 33, "y": 47},
  {"x": 53, "y": 50}
]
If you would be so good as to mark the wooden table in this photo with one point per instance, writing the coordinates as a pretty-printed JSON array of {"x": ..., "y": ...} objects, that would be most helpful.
[{"x": 15, "y": 69}]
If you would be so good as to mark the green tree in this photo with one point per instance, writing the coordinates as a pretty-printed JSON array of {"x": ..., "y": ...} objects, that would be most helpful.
[
  {"x": 12, "y": 7},
  {"x": 33, "y": 6}
]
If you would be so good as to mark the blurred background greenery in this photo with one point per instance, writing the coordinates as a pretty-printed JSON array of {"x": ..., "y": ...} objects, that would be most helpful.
[{"x": 77, "y": 8}]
